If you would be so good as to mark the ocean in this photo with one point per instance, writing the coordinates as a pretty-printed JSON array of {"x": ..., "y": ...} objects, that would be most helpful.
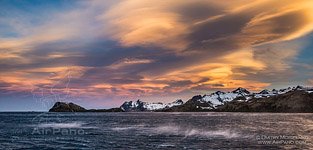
[{"x": 144, "y": 130}]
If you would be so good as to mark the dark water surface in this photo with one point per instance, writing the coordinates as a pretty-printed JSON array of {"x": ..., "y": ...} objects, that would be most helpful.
[{"x": 155, "y": 131}]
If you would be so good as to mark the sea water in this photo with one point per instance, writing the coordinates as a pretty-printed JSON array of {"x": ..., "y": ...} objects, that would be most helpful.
[{"x": 198, "y": 130}]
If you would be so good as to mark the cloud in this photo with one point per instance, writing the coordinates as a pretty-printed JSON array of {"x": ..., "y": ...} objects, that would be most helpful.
[
  {"x": 277, "y": 56},
  {"x": 158, "y": 28},
  {"x": 127, "y": 62},
  {"x": 207, "y": 25},
  {"x": 130, "y": 49},
  {"x": 239, "y": 40}
]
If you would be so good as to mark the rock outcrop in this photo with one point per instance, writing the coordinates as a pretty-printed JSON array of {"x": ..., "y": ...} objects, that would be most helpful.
[
  {"x": 66, "y": 107},
  {"x": 71, "y": 107}
]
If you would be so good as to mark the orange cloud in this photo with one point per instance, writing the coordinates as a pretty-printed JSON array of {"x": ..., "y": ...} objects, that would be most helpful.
[
  {"x": 163, "y": 25},
  {"x": 219, "y": 71},
  {"x": 28, "y": 79},
  {"x": 217, "y": 45},
  {"x": 289, "y": 21},
  {"x": 146, "y": 24}
]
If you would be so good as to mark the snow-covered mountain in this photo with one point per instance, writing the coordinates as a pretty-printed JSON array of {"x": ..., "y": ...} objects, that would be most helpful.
[
  {"x": 268, "y": 93},
  {"x": 242, "y": 94},
  {"x": 145, "y": 106},
  {"x": 219, "y": 97},
  {"x": 289, "y": 100},
  {"x": 210, "y": 101}
]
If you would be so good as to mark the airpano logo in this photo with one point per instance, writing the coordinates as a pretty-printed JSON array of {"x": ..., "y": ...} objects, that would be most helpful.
[
  {"x": 57, "y": 131},
  {"x": 56, "y": 124}
]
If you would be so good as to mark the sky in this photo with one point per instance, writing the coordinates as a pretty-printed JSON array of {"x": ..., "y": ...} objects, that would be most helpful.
[{"x": 99, "y": 54}]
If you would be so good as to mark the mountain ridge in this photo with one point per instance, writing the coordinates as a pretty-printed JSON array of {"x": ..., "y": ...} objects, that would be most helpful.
[{"x": 238, "y": 100}]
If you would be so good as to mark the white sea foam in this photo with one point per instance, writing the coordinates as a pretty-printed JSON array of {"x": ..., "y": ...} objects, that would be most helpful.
[
  {"x": 167, "y": 129},
  {"x": 63, "y": 125},
  {"x": 176, "y": 130},
  {"x": 166, "y": 145},
  {"x": 184, "y": 131},
  {"x": 122, "y": 128},
  {"x": 216, "y": 114},
  {"x": 133, "y": 127}
]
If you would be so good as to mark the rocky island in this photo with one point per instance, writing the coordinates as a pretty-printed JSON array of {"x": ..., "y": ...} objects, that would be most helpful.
[{"x": 289, "y": 100}]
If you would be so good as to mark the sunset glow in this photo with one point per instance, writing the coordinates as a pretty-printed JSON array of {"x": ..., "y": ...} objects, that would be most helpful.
[{"x": 101, "y": 53}]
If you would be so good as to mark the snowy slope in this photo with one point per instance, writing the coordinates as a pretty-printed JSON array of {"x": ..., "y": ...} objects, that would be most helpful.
[
  {"x": 158, "y": 106},
  {"x": 141, "y": 106},
  {"x": 241, "y": 94},
  {"x": 219, "y": 98}
]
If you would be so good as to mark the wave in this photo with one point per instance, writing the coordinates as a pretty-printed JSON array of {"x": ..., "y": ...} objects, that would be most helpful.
[
  {"x": 166, "y": 146},
  {"x": 63, "y": 125},
  {"x": 177, "y": 130},
  {"x": 134, "y": 127}
]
